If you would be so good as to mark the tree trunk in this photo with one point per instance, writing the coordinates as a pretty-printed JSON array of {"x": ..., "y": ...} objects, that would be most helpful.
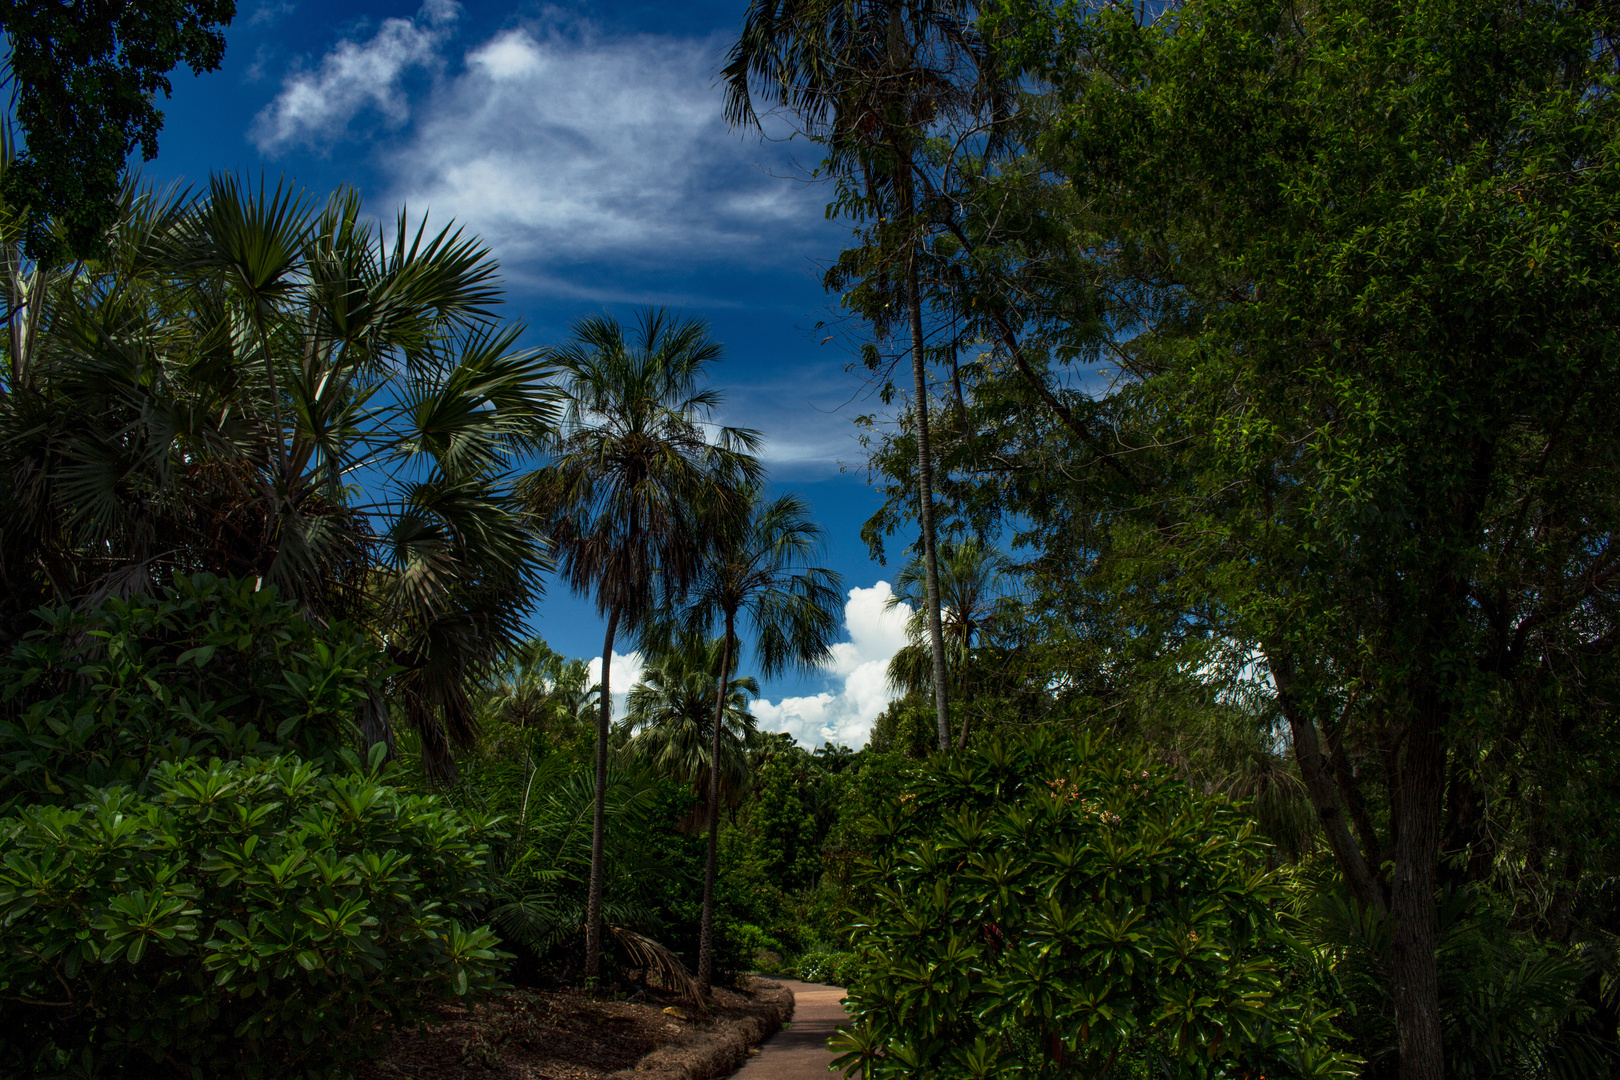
[
  {"x": 1417, "y": 854},
  {"x": 1320, "y": 786},
  {"x": 604, "y": 717},
  {"x": 925, "y": 467},
  {"x": 711, "y": 862}
]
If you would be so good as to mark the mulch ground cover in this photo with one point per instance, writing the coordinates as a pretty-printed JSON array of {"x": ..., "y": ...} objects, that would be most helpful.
[{"x": 542, "y": 1035}]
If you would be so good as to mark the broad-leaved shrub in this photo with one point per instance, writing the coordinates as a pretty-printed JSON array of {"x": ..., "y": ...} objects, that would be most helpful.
[
  {"x": 1059, "y": 906},
  {"x": 259, "y": 918},
  {"x": 209, "y": 667}
]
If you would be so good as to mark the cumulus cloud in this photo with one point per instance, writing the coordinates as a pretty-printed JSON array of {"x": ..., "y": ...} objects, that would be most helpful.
[
  {"x": 862, "y": 662},
  {"x": 561, "y": 147},
  {"x": 314, "y": 107},
  {"x": 624, "y": 673}
]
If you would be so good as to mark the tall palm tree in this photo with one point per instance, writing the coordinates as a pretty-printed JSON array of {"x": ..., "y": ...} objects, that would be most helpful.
[
  {"x": 760, "y": 570},
  {"x": 252, "y": 384},
  {"x": 866, "y": 78},
  {"x": 671, "y": 710},
  {"x": 633, "y": 473},
  {"x": 972, "y": 582}
]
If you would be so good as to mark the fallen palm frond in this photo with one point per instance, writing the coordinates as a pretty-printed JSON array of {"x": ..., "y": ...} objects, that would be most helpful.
[{"x": 662, "y": 964}]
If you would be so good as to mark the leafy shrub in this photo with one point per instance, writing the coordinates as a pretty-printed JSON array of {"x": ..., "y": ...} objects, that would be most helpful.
[
  {"x": 210, "y": 667},
  {"x": 822, "y": 966},
  {"x": 257, "y": 918},
  {"x": 1051, "y": 907}
]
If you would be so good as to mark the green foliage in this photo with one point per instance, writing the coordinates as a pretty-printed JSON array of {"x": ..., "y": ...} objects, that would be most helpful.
[
  {"x": 206, "y": 668},
  {"x": 1510, "y": 1003},
  {"x": 1292, "y": 343},
  {"x": 1062, "y": 906},
  {"x": 906, "y": 727},
  {"x": 652, "y": 871},
  {"x": 824, "y": 966},
  {"x": 671, "y": 709},
  {"x": 783, "y": 829},
  {"x": 87, "y": 76},
  {"x": 252, "y": 383},
  {"x": 258, "y": 918}
]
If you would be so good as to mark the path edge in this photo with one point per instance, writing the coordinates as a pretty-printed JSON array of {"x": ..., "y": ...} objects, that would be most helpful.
[{"x": 717, "y": 1049}]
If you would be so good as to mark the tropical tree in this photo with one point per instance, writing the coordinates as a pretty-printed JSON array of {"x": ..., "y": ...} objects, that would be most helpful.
[
  {"x": 85, "y": 82},
  {"x": 759, "y": 570},
  {"x": 250, "y": 384},
  {"x": 866, "y": 78},
  {"x": 633, "y": 473},
  {"x": 671, "y": 709},
  {"x": 535, "y": 687},
  {"x": 972, "y": 582},
  {"x": 1348, "y": 264}
]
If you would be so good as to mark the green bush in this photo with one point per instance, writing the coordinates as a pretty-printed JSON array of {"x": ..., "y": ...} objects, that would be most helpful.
[
  {"x": 258, "y": 918},
  {"x": 1062, "y": 907},
  {"x": 208, "y": 668},
  {"x": 822, "y": 966}
]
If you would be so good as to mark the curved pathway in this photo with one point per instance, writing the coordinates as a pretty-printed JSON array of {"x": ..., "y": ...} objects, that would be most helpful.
[{"x": 799, "y": 1051}]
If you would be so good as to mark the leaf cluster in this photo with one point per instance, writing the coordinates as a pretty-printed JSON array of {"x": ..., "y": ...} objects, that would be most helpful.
[
  {"x": 206, "y": 668},
  {"x": 1057, "y": 905},
  {"x": 255, "y": 918}
]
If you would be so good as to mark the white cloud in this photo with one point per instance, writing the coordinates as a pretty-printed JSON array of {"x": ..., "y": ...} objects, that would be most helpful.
[
  {"x": 624, "y": 672},
  {"x": 315, "y": 107},
  {"x": 846, "y": 717},
  {"x": 560, "y": 147}
]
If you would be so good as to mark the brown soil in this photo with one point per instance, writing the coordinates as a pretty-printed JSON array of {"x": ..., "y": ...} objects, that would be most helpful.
[{"x": 564, "y": 1035}]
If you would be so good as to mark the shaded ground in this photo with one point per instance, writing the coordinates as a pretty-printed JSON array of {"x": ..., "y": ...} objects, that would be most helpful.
[
  {"x": 799, "y": 1051},
  {"x": 549, "y": 1035}
]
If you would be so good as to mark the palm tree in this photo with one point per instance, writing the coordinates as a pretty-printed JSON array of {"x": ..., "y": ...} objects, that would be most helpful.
[
  {"x": 866, "y": 78},
  {"x": 671, "y": 710},
  {"x": 971, "y": 589},
  {"x": 759, "y": 568},
  {"x": 535, "y": 688},
  {"x": 633, "y": 473},
  {"x": 253, "y": 385}
]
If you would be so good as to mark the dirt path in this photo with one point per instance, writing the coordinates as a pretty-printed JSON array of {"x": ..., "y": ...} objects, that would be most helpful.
[{"x": 799, "y": 1051}]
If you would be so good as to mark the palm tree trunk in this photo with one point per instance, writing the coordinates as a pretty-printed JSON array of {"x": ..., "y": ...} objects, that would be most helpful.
[
  {"x": 593, "y": 903},
  {"x": 705, "y": 975},
  {"x": 925, "y": 467}
]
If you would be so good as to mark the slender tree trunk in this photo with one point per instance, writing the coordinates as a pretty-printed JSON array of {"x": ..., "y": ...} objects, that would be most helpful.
[
  {"x": 604, "y": 717},
  {"x": 711, "y": 862},
  {"x": 925, "y": 467},
  {"x": 1417, "y": 855},
  {"x": 1317, "y": 773}
]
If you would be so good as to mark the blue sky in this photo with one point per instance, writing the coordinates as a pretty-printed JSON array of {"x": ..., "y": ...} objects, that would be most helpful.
[{"x": 585, "y": 144}]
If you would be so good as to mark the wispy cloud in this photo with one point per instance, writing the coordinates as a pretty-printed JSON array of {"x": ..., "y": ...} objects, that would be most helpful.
[
  {"x": 270, "y": 11},
  {"x": 807, "y": 414},
  {"x": 564, "y": 147},
  {"x": 315, "y": 107},
  {"x": 846, "y": 716}
]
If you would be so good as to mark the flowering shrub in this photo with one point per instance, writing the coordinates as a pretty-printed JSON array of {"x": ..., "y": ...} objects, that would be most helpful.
[
  {"x": 254, "y": 919},
  {"x": 1061, "y": 907}
]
